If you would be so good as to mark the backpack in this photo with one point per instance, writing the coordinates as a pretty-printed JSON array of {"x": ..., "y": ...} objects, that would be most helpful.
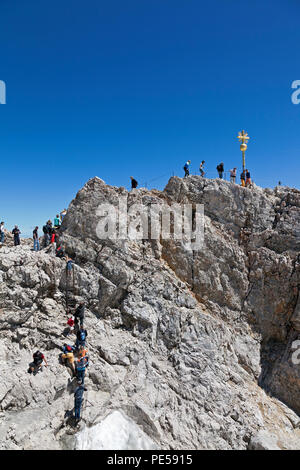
[
  {"x": 82, "y": 335},
  {"x": 37, "y": 355}
]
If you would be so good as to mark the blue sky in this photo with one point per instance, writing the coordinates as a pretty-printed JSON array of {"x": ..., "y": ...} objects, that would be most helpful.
[{"x": 137, "y": 87}]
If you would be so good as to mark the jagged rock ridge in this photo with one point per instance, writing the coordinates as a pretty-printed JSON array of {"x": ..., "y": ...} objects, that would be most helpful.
[{"x": 195, "y": 347}]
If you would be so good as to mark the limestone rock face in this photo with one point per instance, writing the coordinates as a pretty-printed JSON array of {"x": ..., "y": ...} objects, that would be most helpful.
[{"x": 197, "y": 348}]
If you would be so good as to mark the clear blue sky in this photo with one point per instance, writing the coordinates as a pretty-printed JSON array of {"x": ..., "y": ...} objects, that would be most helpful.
[{"x": 136, "y": 87}]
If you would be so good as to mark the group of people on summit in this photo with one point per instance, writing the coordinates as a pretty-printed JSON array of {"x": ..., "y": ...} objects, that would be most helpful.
[{"x": 245, "y": 175}]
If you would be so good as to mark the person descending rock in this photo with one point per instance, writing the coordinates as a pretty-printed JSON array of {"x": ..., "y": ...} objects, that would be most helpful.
[
  {"x": 186, "y": 168},
  {"x": 2, "y": 235},
  {"x": 38, "y": 359},
  {"x": 57, "y": 221},
  {"x": 243, "y": 178},
  {"x": 134, "y": 183},
  {"x": 16, "y": 233},
  {"x": 78, "y": 398},
  {"x": 36, "y": 242},
  {"x": 202, "y": 173},
  {"x": 220, "y": 169},
  {"x": 69, "y": 265},
  {"x": 79, "y": 314},
  {"x": 81, "y": 337},
  {"x": 68, "y": 357},
  {"x": 81, "y": 366},
  {"x": 248, "y": 178},
  {"x": 233, "y": 175}
]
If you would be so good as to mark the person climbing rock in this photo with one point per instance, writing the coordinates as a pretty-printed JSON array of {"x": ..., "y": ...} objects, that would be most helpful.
[
  {"x": 81, "y": 366},
  {"x": 220, "y": 169},
  {"x": 134, "y": 183},
  {"x": 16, "y": 233},
  {"x": 57, "y": 221},
  {"x": 62, "y": 214},
  {"x": 78, "y": 398},
  {"x": 68, "y": 357},
  {"x": 79, "y": 314},
  {"x": 248, "y": 178},
  {"x": 82, "y": 352},
  {"x": 202, "y": 173},
  {"x": 36, "y": 242},
  {"x": 243, "y": 178},
  {"x": 186, "y": 168},
  {"x": 38, "y": 359},
  {"x": 70, "y": 327},
  {"x": 59, "y": 252},
  {"x": 69, "y": 266},
  {"x": 233, "y": 175},
  {"x": 2, "y": 234},
  {"x": 81, "y": 337}
]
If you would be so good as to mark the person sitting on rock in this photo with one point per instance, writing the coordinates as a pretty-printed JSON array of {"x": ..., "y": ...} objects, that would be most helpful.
[
  {"x": 36, "y": 365},
  {"x": 68, "y": 357}
]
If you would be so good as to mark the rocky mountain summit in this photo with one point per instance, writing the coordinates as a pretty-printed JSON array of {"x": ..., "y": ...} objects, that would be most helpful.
[{"x": 197, "y": 348}]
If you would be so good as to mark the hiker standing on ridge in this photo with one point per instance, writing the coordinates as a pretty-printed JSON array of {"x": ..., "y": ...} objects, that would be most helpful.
[
  {"x": 2, "y": 235},
  {"x": 233, "y": 175},
  {"x": 248, "y": 178},
  {"x": 36, "y": 242},
  {"x": 186, "y": 168},
  {"x": 134, "y": 183},
  {"x": 16, "y": 233},
  {"x": 202, "y": 173},
  {"x": 243, "y": 178},
  {"x": 57, "y": 221},
  {"x": 220, "y": 169}
]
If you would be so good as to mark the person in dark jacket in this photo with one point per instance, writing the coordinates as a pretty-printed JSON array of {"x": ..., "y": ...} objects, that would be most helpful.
[
  {"x": 81, "y": 337},
  {"x": 220, "y": 170},
  {"x": 134, "y": 183},
  {"x": 16, "y": 233},
  {"x": 79, "y": 314},
  {"x": 78, "y": 399}
]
